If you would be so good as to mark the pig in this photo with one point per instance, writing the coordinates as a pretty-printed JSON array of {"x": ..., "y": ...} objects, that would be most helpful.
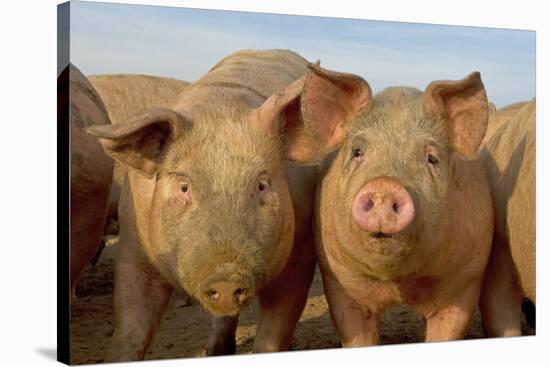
[
  {"x": 219, "y": 199},
  {"x": 125, "y": 95},
  {"x": 499, "y": 117},
  {"x": 403, "y": 211},
  {"x": 91, "y": 170},
  {"x": 509, "y": 158}
]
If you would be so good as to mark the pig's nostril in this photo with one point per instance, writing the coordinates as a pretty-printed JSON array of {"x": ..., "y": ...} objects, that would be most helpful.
[
  {"x": 240, "y": 295},
  {"x": 212, "y": 295},
  {"x": 396, "y": 207},
  {"x": 369, "y": 205}
]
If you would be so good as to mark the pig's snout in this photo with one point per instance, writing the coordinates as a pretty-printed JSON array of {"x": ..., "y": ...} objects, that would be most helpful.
[
  {"x": 383, "y": 205},
  {"x": 227, "y": 292}
]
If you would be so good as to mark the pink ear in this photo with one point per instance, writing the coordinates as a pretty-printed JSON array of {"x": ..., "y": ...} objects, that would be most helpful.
[
  {"x": 269, "y": 114},
  {"x": 139, "y": 142},
  {"x": 329, "y": 102},
  {"x": 463, "y": 105},
  {"x": 314, "y": 113}
]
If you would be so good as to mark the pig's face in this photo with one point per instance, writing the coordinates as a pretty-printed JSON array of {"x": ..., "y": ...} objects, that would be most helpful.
[
  {"x": 394, "y": 173},
  {"x": 224, "y": 211},
  {"x": 393, "y": 182},
  {"x": 221, "y": 220}
]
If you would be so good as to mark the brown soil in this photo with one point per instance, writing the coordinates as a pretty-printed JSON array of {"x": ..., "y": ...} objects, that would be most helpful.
[{"x": 184, "y": 330}]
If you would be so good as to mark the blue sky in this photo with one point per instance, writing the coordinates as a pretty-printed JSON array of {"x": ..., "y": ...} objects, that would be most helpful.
[{"x": 184, "y": 43}]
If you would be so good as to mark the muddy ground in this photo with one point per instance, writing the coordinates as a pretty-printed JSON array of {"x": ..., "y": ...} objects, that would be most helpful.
[{"x": 184, "y": 330}]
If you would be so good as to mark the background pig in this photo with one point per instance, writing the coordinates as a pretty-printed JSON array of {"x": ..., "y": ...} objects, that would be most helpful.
[
  {"x": 91, "y": 168},
  {"x": 510, "y": 160},
  {"x": 497, "y": 118},
  {"x": 125, "y": 95},
  {"x": 404, "y": 210},
  {"x": 213, "y": 204}
]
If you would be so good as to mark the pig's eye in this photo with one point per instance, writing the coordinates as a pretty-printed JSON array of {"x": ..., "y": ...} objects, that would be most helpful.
[
  {"x": 432, "y": 159},
  {"x": 184, "y": 188},
  {"x": 430, "y": 155},
  {"x": 263, "y": 185},
  {"x": 356, "y": 153}
]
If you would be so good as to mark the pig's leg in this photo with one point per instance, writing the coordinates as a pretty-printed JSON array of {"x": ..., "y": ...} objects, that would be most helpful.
[
  {"x": 281, "y": 305},
  {"x": 451, "y": 321},
  {"x": 355, "y": 326},
  {"x": 500, "y": 301},
  {"x": 140, "y": 300},
  {"x": 222, "y": 337}
]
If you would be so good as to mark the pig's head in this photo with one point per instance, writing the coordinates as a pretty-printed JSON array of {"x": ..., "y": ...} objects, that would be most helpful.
[
  {"x": 221, "y": 219},
  {"x": 396, "y": 169}
]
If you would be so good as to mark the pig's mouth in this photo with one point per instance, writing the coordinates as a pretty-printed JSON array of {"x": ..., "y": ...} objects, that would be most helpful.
[
  {"x": 386, "y": 244},
  {"x": 220, "y": 312},
  {"x": 381, "y": 235}
]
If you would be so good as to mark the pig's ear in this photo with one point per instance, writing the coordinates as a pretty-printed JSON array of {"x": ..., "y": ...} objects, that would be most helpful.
[
  {"x": 314, "y": 113},
  {"x": 140, "y": 141},
  {"x": 492, "y": 108},
  {"x": 463, "y": 104}
]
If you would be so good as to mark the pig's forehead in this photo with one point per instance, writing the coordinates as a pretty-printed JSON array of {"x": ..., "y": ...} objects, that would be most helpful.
[
  {"x": 396, "y": 120},
  {"x": 227, "y": 149},
  {"x": 393, "y": 107},
  {"x": 399, "y": 104}
]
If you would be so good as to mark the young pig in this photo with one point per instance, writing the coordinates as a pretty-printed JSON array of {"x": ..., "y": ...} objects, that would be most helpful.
[
  {"x": 213, "y": 203},
  {"x": 404, "y": 211}
]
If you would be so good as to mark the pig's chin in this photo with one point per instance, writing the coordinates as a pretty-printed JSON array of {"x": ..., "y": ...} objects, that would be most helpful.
[{"x": 383, "y": 255}]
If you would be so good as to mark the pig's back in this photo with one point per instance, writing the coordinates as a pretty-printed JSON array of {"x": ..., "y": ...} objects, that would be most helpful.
[
  {"x": 91, "y": 169},
  {"x": 499, "y": 118},
  {"x": 88, "y": 160},
  {"x": 510, "y": 161},
  {"x": 127, "y": 94},
  {"x": 243, "y": 80}
]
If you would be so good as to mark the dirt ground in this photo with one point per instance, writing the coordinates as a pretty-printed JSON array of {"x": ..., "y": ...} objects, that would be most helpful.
[{"x": 184, "y": 330}]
